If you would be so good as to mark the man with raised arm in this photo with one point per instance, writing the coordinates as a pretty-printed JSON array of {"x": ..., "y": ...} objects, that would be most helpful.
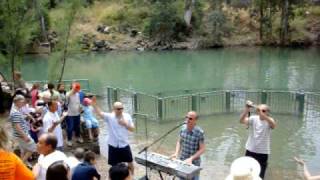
[
  {"x": 120, "y": 124},
  {"x": 259, "y": 139},
  {"x": 190, "y": 145}
]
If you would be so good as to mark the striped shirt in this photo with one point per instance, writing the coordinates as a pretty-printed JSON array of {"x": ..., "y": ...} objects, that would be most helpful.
[
  {"x": 259, "y": 136},
  {"x": 190, "y": 143},
  {"x": 16, "y": 117}
]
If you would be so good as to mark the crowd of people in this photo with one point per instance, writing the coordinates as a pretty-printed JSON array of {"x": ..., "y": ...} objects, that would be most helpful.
[{"x": 39, "y": 119}]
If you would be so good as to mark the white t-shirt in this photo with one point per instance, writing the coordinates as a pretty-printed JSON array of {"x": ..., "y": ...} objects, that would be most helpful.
[
  {"x": 259, "y": 136},
  {"x": 48, "y": 120},
  {"x": 45, "y": 161},
  {"x": 73, "y": 101},
  {"x": 118, "y": 134}
]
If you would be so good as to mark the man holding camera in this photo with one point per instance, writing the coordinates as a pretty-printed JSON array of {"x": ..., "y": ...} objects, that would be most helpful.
[{"x": 259, "y": 139}]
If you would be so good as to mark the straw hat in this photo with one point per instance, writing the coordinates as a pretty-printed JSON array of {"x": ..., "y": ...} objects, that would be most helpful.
[{"x": 244, "y": 168}]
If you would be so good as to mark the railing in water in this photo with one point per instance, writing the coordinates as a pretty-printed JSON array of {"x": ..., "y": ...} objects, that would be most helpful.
[{"x": 210, "y": 103}]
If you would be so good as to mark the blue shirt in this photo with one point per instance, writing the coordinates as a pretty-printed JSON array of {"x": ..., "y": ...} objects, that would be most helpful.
[
  {"x": 85, "y": 171},
  {"x": 190, "y": 143}
]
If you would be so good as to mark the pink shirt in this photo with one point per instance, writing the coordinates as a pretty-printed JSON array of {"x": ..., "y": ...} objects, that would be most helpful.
[{"x": 34, "y": 94}]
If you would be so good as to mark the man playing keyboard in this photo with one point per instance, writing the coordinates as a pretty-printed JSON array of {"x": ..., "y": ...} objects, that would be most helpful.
[{"x": 190, "y": 145}]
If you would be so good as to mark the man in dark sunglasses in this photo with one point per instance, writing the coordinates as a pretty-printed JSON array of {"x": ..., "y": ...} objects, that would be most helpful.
[
  {"x": 190, "y": 145},
  {"x": 259, "y": 139},
  {"x": 120, "y": 124}
]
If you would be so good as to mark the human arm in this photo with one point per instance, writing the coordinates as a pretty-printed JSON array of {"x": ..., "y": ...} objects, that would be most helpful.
[
  {"x": 96, "y": 108},
  {"x": 201, "y": 150},
  {"x": 176, "y": 153},
  {"x": 23, "y": 135},
  {"x": 270, "y": 120},
  {"x": 36, "y": 170},
  {"x": 127, "y": 123},
  {"x": 55, "y": 124},
  {"x": 244, "y": 119},
  {"x": 306, "y": 172}
]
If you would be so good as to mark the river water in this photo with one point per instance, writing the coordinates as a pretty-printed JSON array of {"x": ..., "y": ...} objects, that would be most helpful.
[{"x": 231, "y": 68}]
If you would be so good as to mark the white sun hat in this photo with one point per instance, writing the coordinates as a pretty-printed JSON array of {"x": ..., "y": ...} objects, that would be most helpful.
[{"x": 244, "y": 168}]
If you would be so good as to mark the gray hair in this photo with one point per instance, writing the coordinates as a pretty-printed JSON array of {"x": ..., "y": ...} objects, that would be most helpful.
[{"x": 18, "y": 98}]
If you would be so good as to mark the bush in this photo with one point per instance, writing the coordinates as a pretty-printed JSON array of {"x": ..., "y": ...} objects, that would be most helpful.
[{"x": 165, "y": 24}]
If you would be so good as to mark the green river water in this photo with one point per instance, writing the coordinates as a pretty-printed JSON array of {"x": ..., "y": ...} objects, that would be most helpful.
[{"x": 231, "y": 68}]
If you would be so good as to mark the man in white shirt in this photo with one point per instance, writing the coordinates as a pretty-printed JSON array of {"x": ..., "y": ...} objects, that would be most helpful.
[
  {"x": 119, "y": 125},
  {"x": 51, "y": 123},
  {"x": 48, "y": 155},
  {"x": 259, "y": 139}
]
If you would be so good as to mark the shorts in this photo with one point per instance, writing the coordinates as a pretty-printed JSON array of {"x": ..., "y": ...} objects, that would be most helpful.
[
  {"x": 118, "y": 155},
  {"x": 91, "y": 123},
  {"x": 27, "y": 146}
]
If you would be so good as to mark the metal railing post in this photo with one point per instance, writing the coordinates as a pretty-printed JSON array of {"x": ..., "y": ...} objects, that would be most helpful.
[
  {"x": 109, "y": 97},
  {"x": 135, "y": 102},
  {"x": 300, "y": 98},
  {"x": 228, "y": 101},
  {"x": 160, "y": 108},
  {"x": 264, "y": 96},
  {"x": 194, "y": 102},
  {"x": 115, "y": 95}
]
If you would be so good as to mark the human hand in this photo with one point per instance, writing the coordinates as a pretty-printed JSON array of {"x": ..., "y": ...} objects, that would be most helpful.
[
  {"x": 299, "y": 161},
  {"x": 188, "y": 161},
  {"x": 94, "y": 101},
  {"x": 123, "y": 122},
  {"x": 64, "y": 114},
  {"x": 174, "y": 156},
  {"x": 249, "y": 104},
  {"x": 26, "y": 139}
]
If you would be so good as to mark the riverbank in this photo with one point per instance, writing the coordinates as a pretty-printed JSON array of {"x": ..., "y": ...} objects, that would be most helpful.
[{"x": 120, "y": 25}]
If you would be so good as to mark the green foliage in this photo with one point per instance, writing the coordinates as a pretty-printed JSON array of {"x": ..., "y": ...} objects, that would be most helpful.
[
  {"x": 18, "y": 22},
  {"x": 132, "y": 15},
  {"x": 63, "y": 27},
  {"x": 217, "y": 26},
  {"x": 165, "y": 24}
]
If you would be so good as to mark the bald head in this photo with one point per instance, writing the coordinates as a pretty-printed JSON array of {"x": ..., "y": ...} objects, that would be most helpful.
[
  {"x": 118, "y": 108},
  {"x": 192, "y": 114},
  {"x": 117, "y": 105}
]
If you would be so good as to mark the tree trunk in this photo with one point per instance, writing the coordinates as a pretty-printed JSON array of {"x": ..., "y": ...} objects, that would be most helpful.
[
  {"x": 284, "y": 30},
  {"x": 41, "y": 20},
  {"x": 261, "y": 21},
  {"x": 189, "y": 5}
]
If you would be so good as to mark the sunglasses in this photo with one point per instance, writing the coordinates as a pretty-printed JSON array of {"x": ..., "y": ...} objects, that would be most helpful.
[
  {"x": 119, "y": 109},
  {"x": 189, "y": 118}
]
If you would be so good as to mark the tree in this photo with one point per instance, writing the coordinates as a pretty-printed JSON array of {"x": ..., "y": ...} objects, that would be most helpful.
[
  {"x": 164, "y": 25},
  {"x": 18, "y": 23},
  {"x": 284, "y": 25},
  {"x": 61, "y": 50},
  {"x": 216, "y": 23},
  {"x": 189, "y": 6}
]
